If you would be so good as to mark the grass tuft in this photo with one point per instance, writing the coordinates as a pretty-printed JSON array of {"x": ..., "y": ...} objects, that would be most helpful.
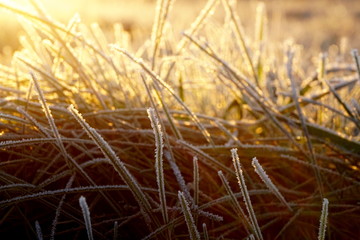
[{"x": 151, "y": 126}]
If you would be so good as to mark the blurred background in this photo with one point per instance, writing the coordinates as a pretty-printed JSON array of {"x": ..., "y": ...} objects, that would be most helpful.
[{"x": 315, "y": 24}]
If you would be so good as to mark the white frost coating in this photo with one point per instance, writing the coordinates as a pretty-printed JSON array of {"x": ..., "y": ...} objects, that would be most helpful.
[
  {"x": 193, "y": 232},
  {"x": 265, "y": 178},
  {"x": 86, "y": 213},
  {"x": 323, "y": 219}
]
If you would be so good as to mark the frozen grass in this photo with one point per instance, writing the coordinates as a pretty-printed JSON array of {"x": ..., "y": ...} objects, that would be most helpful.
[{"x": 192, "y": 99}]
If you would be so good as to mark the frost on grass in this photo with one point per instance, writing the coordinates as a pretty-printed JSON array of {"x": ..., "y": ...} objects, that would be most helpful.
[
  {"x": 265, "y": 178},
  {"x": 193, "y": 232},
  {"x": 155, "y": 124},
  {"x": 117, "y": 164},
  {"x": 323, "y": 219},
  {"x": 178, "y": 176},
  {"x": 39, "y": 234},
  {"x": 245, "y": 193},
  {"x": 86, "y": 213},
  {"x": 234, "y": 201}
]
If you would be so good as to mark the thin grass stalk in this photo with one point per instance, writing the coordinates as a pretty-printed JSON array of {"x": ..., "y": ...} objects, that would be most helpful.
[
  {"x": 323, "y": 219},
  {"x": 86, "y": 213},
  {"x": 51, "y": 120},
  {"x": 117, "y": 164},
  {"x": 156, "y": 78},
  {"x": 196, "y": 180},
  {"x": 235, "y": 203},
  {"x": 228, "y": 133},
  {"x": 178, "y": 176},
  {"x": 245, "y": 193},
  {"x": 162, "y": 10},
  {"x": 159, "y": 162},
  {"x": 194, "y": 234},
  {"x": 356, "y": 57},
  {"x": 205, "y": 232},
  {"x": 116, "y": 232},
  {"x": 173, "y": 126},
  {"x": 196, "y": 186},
  {"x": 13, "y": 118},
  {"x": 265, "y": 178},
  {"x": 41, "y": 128},
  {"x": 39, "y": 234},
  {"x": 313, "y": 159},
  {"x": 239, "y": 33},
  {"x": 260, "y": 23},
  {"x": 197, "y": 24},
  {"x": 259, "y": 39}
]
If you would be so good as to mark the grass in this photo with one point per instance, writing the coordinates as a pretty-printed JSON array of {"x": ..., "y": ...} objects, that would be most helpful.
[{"x": 213, "y": 134}]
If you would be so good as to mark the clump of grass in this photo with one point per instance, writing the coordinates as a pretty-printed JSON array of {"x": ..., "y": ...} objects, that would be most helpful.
[{"x": 305, "y": 132}]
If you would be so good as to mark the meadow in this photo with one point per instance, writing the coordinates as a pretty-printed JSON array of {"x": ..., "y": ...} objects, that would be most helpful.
[{"x": 212, "y": 119}]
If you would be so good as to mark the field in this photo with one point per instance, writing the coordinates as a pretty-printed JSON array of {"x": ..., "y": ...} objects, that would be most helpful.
[{"x": 182, "y": 119}]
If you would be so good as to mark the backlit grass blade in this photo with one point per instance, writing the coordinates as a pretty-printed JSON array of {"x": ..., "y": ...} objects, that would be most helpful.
[
  {"x": 155, "y": 124},
  {"x": 245, "y": 193},
  {"x": 198, "y": 23},
  {"x": 86, "y": 214},
  {"x": 162, "y": 11},
  {"x": 265, "y": 178},
  {"x": 295, "y": 94},
  {"x": 240, "y": 36}
]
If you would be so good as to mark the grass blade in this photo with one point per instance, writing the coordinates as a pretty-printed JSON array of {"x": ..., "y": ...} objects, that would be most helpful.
[
  {"x": 235, "y": 202},
  {"x": 39, "y": 234},
  {"x": 86, "y": 213},
  {"x": 194, "y": 234},
  {"x": 117, "y": 164},
  {"x": 155, "y": 124},
  {"x": 323, "y": 219},
  {"x": 206, "y": 234},
  {"x": 295, "y": 94},
  {"x": 265, "y": 178},
  {"x": 245, "y": 193}
]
